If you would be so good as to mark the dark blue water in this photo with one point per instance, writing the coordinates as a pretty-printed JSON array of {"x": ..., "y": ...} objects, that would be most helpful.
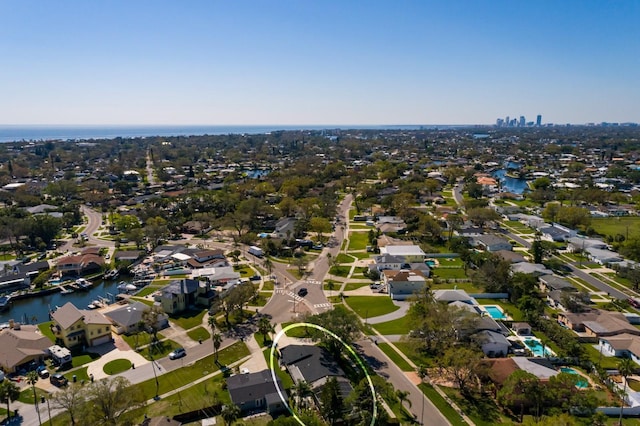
[
  {"x": 11, "y": 133},
  {"x": 517, "y": 186},
  {"x": 39, "y": 306}
]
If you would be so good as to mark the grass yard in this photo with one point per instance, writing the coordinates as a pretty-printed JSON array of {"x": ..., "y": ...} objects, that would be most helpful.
[
  {"x": 285, "y": 378},
  {"x": 613, "y": 226},
  {"x": 395, "y": 357},
  {"x": 45, "y": 329},
  {"x": 397, "y": 326},
  {"x": 371, "y": 306},
  {"x": 443, "y": 406},
  {"x": 199, "y": 334},
  {"x": 451, "y": 261},
  {"x": 188, "y": 319},
  {"x": 362, "y": 255},
  {"x": 268, "y": 285},
  {"x": 358, "y": 240},
  {"x": 148, "y": 290},
  {"x": 354, "y": 286},
  {"x": 483, "y": 411},
  {"x": 83, "y": 358},
  {"x": 340, "y": 271},
  {"x": 26, "y": 396},
  {"x": 162, "y": 349},
  {"x": 344, "y": 258},
  {"x": 300, "y": 332},
  {"x": 467, "y": 286},
  {"x": 117, "y": 366},
  {"x": 449, "y": 273},
  {"x": 80, "y": 373}
]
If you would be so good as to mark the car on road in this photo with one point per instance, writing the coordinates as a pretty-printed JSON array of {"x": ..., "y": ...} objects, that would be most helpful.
[
  {"x": 177, "y": 353},
  {"x": 58, "y": 380},
  {"x": 303, "y": 292}
]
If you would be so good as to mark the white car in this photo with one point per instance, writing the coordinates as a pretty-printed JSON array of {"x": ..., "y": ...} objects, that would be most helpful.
[{"x": 177, "y": 353}]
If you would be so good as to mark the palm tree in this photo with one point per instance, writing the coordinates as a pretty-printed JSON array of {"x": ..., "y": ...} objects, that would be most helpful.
[
  {"x": 402, "y": 396},
  {"x": 216, "y": 338},
  {"x": 230, "y": 413},
  {"x": 265, "y": 327},
  {"x": 32, "y": 379},
  {"x": 625, "y": 368},
  {"x": 268, "y": 264},
  {"x": 331, "y": 286},
  {"x": 301, "y": 390},
  {"x": 9, "y": 392}
]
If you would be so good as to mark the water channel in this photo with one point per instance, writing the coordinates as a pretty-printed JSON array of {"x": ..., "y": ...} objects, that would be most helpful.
[
  {"x": 517, "y": 186},
  {"x": 36, "y": 309}
]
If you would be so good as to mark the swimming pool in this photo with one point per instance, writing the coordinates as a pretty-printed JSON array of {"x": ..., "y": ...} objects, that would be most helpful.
[
  {"x": 581, "y": 383},
  {"x": 536, "y": 348},
  {"x": 431, "y": 263},
  {"x": 495, "y": 312}
]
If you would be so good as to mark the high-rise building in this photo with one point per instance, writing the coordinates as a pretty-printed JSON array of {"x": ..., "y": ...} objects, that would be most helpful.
[
  {"x": 499, "y": 122},
  {"x": 522, "y": 121},
  {"x": 539, "y": 120}
]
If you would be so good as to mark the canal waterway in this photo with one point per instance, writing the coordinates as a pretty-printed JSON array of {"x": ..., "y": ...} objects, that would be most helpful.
[
  {"x": 509, "y": 184},
  {"x": 36, "y": 309}
]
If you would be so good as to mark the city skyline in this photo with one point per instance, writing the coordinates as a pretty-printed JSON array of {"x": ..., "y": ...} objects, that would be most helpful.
[{"x": 292, "y": 63}]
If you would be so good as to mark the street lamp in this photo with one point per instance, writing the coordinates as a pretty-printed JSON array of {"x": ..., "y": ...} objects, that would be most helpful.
[{"x": 42, "y": 399}]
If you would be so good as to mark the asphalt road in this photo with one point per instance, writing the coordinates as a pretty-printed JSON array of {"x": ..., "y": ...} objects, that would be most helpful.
[{"x": 386, "y": 369}]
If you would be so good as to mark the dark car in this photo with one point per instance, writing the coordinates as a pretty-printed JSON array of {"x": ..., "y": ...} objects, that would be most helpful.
[
  {"x": 302, "y": 292},
  {"x": 177, "y": 353},
  {"x": 58, "y": 380}
]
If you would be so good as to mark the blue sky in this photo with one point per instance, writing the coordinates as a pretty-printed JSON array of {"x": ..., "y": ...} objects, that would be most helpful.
[{"x": 318, "y": 62}]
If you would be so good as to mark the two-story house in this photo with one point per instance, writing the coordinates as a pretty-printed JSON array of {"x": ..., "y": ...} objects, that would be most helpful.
[{"x": 72, "y": 326}]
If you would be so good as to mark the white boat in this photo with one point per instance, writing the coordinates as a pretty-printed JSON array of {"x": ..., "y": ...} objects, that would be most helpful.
[
  {"x": 83, "y": 284},
  {"x": 95, "y": 304},
  {"x": 65, "y": 290}
]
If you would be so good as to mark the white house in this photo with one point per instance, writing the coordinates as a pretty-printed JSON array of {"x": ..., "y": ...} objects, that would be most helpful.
[
  {"x": 410, "y": 253},
  {"x": 404, "y": 283},
  {"x": 493, "y": 344},
  {"x": 621, "y": 345},
  {"x": 491, "y": 243}
]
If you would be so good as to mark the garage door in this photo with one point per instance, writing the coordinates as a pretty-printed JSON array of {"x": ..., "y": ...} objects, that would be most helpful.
[{"x": 101, "y": 340}]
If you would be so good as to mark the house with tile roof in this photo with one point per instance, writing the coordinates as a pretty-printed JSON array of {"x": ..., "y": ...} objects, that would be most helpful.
[
  {"x": 81, "y": 264},
  {"x": 403, "y": 284},
  {"x": 73, "y": 327},
  {"x": 22, "y": 345}
]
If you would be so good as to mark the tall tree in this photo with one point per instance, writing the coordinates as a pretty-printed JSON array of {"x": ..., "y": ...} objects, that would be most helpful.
[
  {"x": 331, "y": 402},
  {"x": 9, "y": 392},
  {"x": 216, "y": 338},
  {"x": 32, "y": 379},
  {"x": 625, "y": 368},
  {"x": 112, "y": 399},
  {"x": 344, "y": 323},
  {"x": 265, "y": 327},
  {"x": 70, "y": 399}
]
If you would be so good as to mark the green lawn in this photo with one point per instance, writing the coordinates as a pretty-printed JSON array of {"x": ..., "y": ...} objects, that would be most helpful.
[
  {"x": 161, "y": 350},
  {"x": 449, "y": 273},
  {"x": 188, "y": 319},
  {"x": 83, "y": 358},
  {"x": 148, "y": 290},
  {"x": 455, "y": 262},
  {"x": 395, "y": 357},
  {"x": 340, "y": 271},
  {"x": 285, "y": 378},
  {"x": 443, "y": 406},
  {"x": 26, "y": 396},
  {"x": 45, "y": 329},
  {"x": 80, "y": 373},
  {"x": 397, "y": 326},
  {"x": 358, "y": 240},
  {"x": 300, "y": 332},
  {"x": 467, "y": 286},
  {"x": 354, "y": 286},
  {"x": 343, "y": 258},
  {"x": 268, "y": 285},
  {"x": 371, "y": 306},
  {"x": 617, "y": 225},
  {"x": 117, "y": 366},
  {"x": 199, "y": 334}
]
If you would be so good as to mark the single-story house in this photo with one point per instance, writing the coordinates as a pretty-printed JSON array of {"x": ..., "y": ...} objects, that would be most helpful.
[
  {"x": 125, "y": 319},
  {"x": 285, "y": 228},
  {"x": 536, "y": 269},
  {"x": 449, "y": 296},
  {"x": 577, "y": 244},
  {"x": 597, "y": 323},
  {"x": 493, "y": 344},
  {"x": 511, "y": 256},
  {"x": 22, "y": 345},
  {"x": 387, "y": 261},
  {"x": 410, "y": 253},
  {"x": 552, "y": 282},
  {"x": 491, "y": 243},
  {"x": 521, "y": 328},
  {"x": 602, "y": 256},
  {"x": 256, "y": 392},
  {"x": 557, "y": 232}
]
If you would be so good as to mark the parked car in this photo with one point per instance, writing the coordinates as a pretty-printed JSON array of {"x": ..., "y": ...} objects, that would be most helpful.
[
  {"x": 58, "y": 380},
  {"x": 43, "y": 372},
  {"x": 302, "y": 292},
  {"x": 177, "y": 353}
]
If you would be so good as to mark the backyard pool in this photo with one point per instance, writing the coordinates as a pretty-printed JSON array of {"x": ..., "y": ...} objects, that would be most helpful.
[
  {"x": 537, "y": 349},
  {"x": 495, "y": 311},
  {"x": 582, "y": 383},
  {"x": 431, "y": 263}
]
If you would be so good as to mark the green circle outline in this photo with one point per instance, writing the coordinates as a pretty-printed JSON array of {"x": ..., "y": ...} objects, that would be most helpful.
[{"x": 332, "y": 334}]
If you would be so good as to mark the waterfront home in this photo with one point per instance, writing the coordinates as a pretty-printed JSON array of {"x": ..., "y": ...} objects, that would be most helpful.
[
  {"x": 72, "y": 326},
  {"x": 22, "y": 345},
  {"x": 403, "y": 284},
  {"x": 125, "y": 320},
  {"x": 79, "y": 264},
  {"x": 255, "y": 392},
  {"x": 178, "y": 295}
]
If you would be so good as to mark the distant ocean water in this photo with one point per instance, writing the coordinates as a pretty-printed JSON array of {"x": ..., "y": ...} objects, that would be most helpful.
[{"x": 17, "y": 133}]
